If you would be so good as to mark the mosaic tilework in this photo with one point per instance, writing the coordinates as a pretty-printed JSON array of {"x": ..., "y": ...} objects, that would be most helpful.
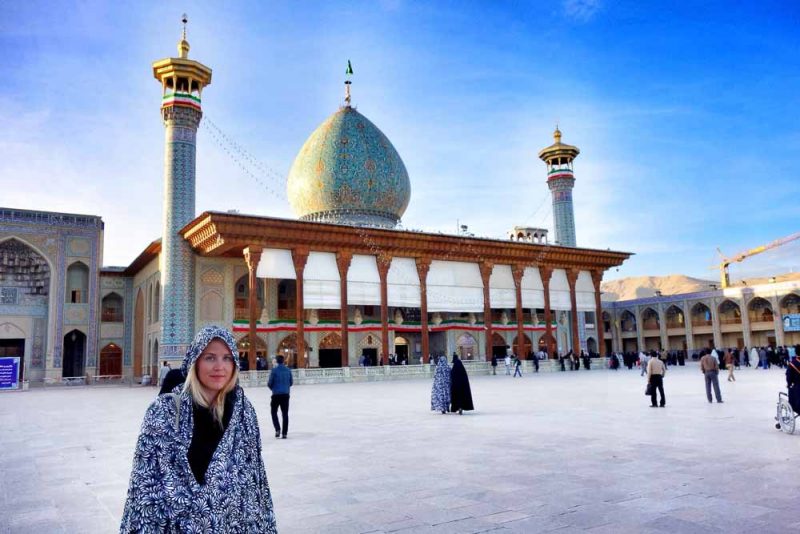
[
  {"x": 127, "y": 344},
  {"x": 178, "y": 274},
  {"x": 563, "y": 214},
  {"x": 348, "y": 168}
]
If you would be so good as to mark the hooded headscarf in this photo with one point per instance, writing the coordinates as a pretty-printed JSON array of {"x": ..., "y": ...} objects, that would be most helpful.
[
  {"x": 440, "y": 393},
  {"x": 164, "y": 496}
]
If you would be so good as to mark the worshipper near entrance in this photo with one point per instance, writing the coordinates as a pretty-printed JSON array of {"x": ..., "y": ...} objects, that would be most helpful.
[
  {"x": 507, "y": 362},
  {"x": 729, "y": 363},
  {"x": 494, "y": 364},
  {"x": 793, "y": 379},
  {"x": 710, "y": 369},
  {"x": 280, "y": 382},
  {"x": 517, "y": 367},
  {"x": 440, "y": 392},
  {"x": 162, "y": 373},
  {"x": 642, "y": 363},
  {"x": 655, "y": 377},
  {"x": 197, "y": 465},
  {"x": 460, "y": 393},
  {"x": 171, "y": 380},
  {"x": 586, "y": 360}
]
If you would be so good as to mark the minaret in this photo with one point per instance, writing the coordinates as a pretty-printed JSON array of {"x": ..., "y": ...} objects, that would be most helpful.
[
  {"x": 182, "y": 82},
  {"x": 561, "y": 180}
]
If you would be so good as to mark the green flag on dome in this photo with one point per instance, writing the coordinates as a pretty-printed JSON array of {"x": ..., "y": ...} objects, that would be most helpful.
[{"x": 349, "y": 70}]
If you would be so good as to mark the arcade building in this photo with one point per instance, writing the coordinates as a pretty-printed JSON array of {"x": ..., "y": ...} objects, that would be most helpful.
[{"x": 339, "y": 282}]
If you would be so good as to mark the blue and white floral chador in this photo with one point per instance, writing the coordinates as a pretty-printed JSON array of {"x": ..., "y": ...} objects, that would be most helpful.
[
  {"x": 164, "y": 495},
  {"x": 440, "y": 393}
]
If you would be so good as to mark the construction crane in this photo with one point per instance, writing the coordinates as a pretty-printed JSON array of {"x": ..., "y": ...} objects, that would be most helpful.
[{"x": 725, "y": 278}]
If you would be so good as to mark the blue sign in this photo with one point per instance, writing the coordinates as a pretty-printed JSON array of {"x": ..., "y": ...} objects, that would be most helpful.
[
  {"x": 9, "y": 373},
  {"x": 791, "y": 322}
]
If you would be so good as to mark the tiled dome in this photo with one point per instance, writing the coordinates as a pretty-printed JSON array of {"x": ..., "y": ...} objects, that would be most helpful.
[{"x": 348, "y": 172}]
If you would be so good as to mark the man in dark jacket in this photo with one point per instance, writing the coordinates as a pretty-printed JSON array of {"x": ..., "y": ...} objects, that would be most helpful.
[{"x": 280, "y": 382}]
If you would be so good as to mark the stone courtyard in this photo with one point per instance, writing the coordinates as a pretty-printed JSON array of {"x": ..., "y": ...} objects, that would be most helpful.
[{"x": 564, "y": 452}]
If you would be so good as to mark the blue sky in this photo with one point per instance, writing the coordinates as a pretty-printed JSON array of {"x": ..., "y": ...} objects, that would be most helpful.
[{"x": 685, "y": 114}]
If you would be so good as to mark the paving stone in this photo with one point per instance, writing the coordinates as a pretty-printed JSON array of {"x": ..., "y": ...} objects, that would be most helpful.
[{"x": 555, "y": 452}]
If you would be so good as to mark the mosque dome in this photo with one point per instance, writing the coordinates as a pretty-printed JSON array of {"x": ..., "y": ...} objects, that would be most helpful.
[{"x": 348, "y": 172}]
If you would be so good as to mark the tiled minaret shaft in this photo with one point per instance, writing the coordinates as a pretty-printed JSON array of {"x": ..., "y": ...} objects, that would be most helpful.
[
  {"x": 561, "y": 180},
  {"x": 182, "y": 82}
]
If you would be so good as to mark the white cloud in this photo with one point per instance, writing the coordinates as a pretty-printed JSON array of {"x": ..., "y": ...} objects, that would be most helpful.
[{"x": 581, "y": 10}]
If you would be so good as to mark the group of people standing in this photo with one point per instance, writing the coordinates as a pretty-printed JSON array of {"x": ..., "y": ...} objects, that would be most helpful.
[{"x": 451, "y": 391}]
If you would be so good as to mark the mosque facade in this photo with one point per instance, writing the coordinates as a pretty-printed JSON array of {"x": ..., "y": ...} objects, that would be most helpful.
[{"x": 339, "y": 285}]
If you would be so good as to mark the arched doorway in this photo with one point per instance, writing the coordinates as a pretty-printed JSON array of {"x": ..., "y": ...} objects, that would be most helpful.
[
  {"x": 369, "y": 346},
  {"x": 330, "y": 350},
  {"x": 522, "y": 352},
  {"x": 499, "y": 345},
  {"x": 244, "y": 346},
  {"x": 466, "y": 346},
  {"x": 401, "y": 349},
  {"x": 591, "y": 345},
  {"x": 74, "y": 354},
  {"x": 545, "y": 342},
  {"x": 288, "y": 347},
  {"x": 242, "y": 298},
  {"x": 110, "y": 361}
]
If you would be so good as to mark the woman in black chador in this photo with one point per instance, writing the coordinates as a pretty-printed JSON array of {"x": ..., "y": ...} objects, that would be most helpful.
[{"x": 460, "y": 394}]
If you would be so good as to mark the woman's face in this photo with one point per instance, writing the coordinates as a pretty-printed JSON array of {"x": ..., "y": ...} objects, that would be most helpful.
[{"x": 214, "y": 366}]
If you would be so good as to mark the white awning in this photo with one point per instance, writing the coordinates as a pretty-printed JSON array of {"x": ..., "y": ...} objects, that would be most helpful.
[
  {"x": 532, "y": 289},
  {"x": 455, "y": 286},
  {"x": 276, "y": 263},
  {"x": 559, "y": 291},
  {"x": 363, "y": 281},
  {"x": 502, "y": 293},
  {"x": 584, "y": 292},
  {"x": 403, "y": 283},
  {"x": 321, "y": 282}
]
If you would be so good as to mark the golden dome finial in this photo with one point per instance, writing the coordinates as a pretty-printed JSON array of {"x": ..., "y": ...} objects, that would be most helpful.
[
  {"x": 557, "y": 135},
  {"x": 183, "y": 44}
]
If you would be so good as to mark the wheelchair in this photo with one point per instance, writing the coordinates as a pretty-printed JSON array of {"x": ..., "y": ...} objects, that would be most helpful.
[{"x": 785, "y": 416}]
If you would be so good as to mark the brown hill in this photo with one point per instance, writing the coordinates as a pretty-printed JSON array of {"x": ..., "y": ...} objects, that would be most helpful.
[{"x": 637, "y": 287}]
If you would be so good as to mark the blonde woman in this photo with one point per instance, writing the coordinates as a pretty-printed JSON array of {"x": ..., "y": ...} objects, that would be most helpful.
[{"x": 197, "y": 465}]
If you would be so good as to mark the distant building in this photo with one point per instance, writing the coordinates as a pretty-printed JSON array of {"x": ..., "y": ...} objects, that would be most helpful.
[{"x": 761, "y": 315}]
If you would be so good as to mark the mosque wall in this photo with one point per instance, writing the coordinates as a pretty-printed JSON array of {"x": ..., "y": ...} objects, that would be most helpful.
[{"x": 45, "y": 311}]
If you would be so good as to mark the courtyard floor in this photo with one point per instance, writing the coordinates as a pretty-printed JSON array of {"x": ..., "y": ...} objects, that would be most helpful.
[{"x": 565, "y": 452}]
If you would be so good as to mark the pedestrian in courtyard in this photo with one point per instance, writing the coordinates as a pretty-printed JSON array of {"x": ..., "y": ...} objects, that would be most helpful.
[
  {"x": 643, "y": 363},
  {"x": 507, "y": 362},
  {"x": 198, "y": 465},
  {"x": 710, "y": 369},
  {"x": 729, "y": 363},
  {"x": 517, "y": 367},
  {"x": 494, "y": 364},
  {"x": 280, "y": 383},
  {"x": 535, "y": 358},
  {"x": 162, "y": 373},
  {"x": 655, "y": 377},
  {"x": 561, "y": 361},
  {"x": 586, "y": 360},
  {"x": 440, "y": 392},
  {"x": 460, "y": 392},
  {"x": 172, "y": 379}
]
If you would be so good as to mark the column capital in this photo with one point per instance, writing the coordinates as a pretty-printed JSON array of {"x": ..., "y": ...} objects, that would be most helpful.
[
  {"x": 299, "y": 258},
  {"x": 486, "y": 268},
  {"x": 252, "y": 256},
  {"x": 423, "y": 266},
  {"x": 384, "y": 262},
  {"x": 545, "y": 273},
  {"x": 597, "y": 278},
  {"x": 572, "y": 277},
  {"x": 517, "y": 271},
  {"x": 343, "y": 259}
]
